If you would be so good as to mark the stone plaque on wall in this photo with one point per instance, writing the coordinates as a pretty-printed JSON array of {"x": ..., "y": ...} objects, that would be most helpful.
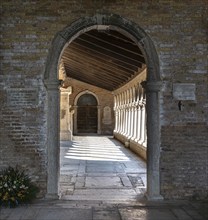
[
  {"x": 22, "y": 97},
  {"x": 184, "y": 91},
  {"x": 107, "y": 115}
]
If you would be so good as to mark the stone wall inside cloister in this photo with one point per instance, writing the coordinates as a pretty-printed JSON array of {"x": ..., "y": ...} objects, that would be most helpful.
[
  {"x": 33, "y": 35},
  {"x": 68, "y": 108}
]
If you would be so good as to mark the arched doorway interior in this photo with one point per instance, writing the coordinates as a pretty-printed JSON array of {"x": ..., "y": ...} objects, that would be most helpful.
[
  {"x": 152, "y": 87},
  {"x": 86, "y": 114}
]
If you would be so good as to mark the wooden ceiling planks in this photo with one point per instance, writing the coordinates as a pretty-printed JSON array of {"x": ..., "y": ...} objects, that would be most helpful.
[
  {"x": 98, "y": 56},
  {"x": 105, "y": 59}
]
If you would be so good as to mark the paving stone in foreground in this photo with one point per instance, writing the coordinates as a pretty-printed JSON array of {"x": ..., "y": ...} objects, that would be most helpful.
[
  {"x": 159, "y": 213},
  {"x": 103, "y": 194},
  {"x": 46, "y": 213},
  {"x": 146, "y": 214},
  {"x": 63, "y": 214},
  {"x": 106, "y": 214},
  {"x": 97, "y": 210}
]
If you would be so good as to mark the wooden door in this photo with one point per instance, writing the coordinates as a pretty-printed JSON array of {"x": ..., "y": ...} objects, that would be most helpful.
[{"x": 87, "y": 114}]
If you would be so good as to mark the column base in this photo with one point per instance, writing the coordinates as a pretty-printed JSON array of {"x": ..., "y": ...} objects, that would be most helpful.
[
  {"x": 65, "y": 136},
  {"x": 52, "y": 196},
  {"x": 153, "y": 197},
  {"x": 127, "y": 144}
]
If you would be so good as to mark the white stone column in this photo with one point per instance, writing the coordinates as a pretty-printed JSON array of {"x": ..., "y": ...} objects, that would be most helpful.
[
  {"x": 132, "y": 122},
  {"x": 144, "y": 137},
  {"x": 127, "y": 121},
  {"x": 53, "y": 142},
  {"x": 142, "y": 125},
  {"x": 119, "y": 120},
  {"x": 99, "y": 119},
  {"x": 71, "y": 113},
  {"x": 128, "y": 130},
  {"x": 153, "y": 140},
  {"x": 116, "y": 114},
  {"x": 138, "y": 122},
  {"x": 124, "y": 120},
  {"x": 135, "y": 121},
  {"x": 75, "y": 119},
  {"x": 116, "y": 119}
]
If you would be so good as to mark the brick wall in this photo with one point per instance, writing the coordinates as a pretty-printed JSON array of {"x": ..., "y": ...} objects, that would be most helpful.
[
  {"x": 184, "y": 161},
  {"x": 179, "y": 32}
]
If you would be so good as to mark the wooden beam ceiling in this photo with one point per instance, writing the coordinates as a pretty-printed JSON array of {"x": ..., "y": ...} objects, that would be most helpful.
[{"x": 104, "y": 59}]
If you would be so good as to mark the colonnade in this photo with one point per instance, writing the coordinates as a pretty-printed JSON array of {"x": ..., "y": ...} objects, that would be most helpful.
[{"x": 130, "y": 114}]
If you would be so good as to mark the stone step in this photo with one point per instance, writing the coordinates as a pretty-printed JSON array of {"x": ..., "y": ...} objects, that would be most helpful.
[{"x": 104, "y": 195}]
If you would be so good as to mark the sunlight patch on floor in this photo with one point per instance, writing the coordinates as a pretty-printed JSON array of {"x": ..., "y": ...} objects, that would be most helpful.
[{"x": 108, "y": 152}]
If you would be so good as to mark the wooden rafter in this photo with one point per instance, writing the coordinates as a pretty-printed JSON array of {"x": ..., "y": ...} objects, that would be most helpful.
[{"x": 104, "y": 59}]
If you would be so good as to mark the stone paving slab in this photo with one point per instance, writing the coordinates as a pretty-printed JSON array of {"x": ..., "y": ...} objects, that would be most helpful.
[
  {"x": 180, "y": 213},
  {"x": 103, "y": 182},
  {"x": 99, "y": 174},
  {"x": 80, "y": 182},
  {"x": 106, "y": 214},
  {"x": 100, "y": 168},
  {"x": 96, "y": 172},
  {"x": 103, "y": 194},
  {"x": 69, "y": 167},
  {"x": 145, "y": 213},
  {"x": 91, "y": 210},
  {"x": 46, "y": 213},
  {"x": 136, "y": 180},
  {"x": 57, "y": 214}
]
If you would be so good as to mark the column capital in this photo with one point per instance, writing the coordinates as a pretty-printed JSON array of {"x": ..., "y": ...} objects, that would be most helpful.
[
  {"x": 154, "y": 86},
  {"x": 52, "y": 84},
  {"x": 67, "y": 91}
]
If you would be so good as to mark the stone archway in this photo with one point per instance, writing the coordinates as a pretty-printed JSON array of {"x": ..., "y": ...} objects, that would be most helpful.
[{"x": 152, "y": 86}]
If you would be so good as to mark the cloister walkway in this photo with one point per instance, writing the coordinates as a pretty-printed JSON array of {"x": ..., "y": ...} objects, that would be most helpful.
[{"x": 100, "y": 168}]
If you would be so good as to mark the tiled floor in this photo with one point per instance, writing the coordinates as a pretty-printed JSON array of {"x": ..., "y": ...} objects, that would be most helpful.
[{"x": 100, "y": 168}]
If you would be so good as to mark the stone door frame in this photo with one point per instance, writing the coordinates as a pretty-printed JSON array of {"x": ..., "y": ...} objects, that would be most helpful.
[
  {"x": 75, "y": 111},
  {"x": 152, "y": 86}
]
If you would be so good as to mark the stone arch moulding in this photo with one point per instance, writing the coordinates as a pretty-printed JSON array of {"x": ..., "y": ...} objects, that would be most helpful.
[
  {"x": 98, "y": 110},
  {"x": 152, "y": 87},
  {"x": 85, "y": 92}
]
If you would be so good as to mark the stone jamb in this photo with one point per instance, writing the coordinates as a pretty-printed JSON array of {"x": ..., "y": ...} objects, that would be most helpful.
[
  {"x": 53, "y": 138},
  {"x": 153, "y": 140}
]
